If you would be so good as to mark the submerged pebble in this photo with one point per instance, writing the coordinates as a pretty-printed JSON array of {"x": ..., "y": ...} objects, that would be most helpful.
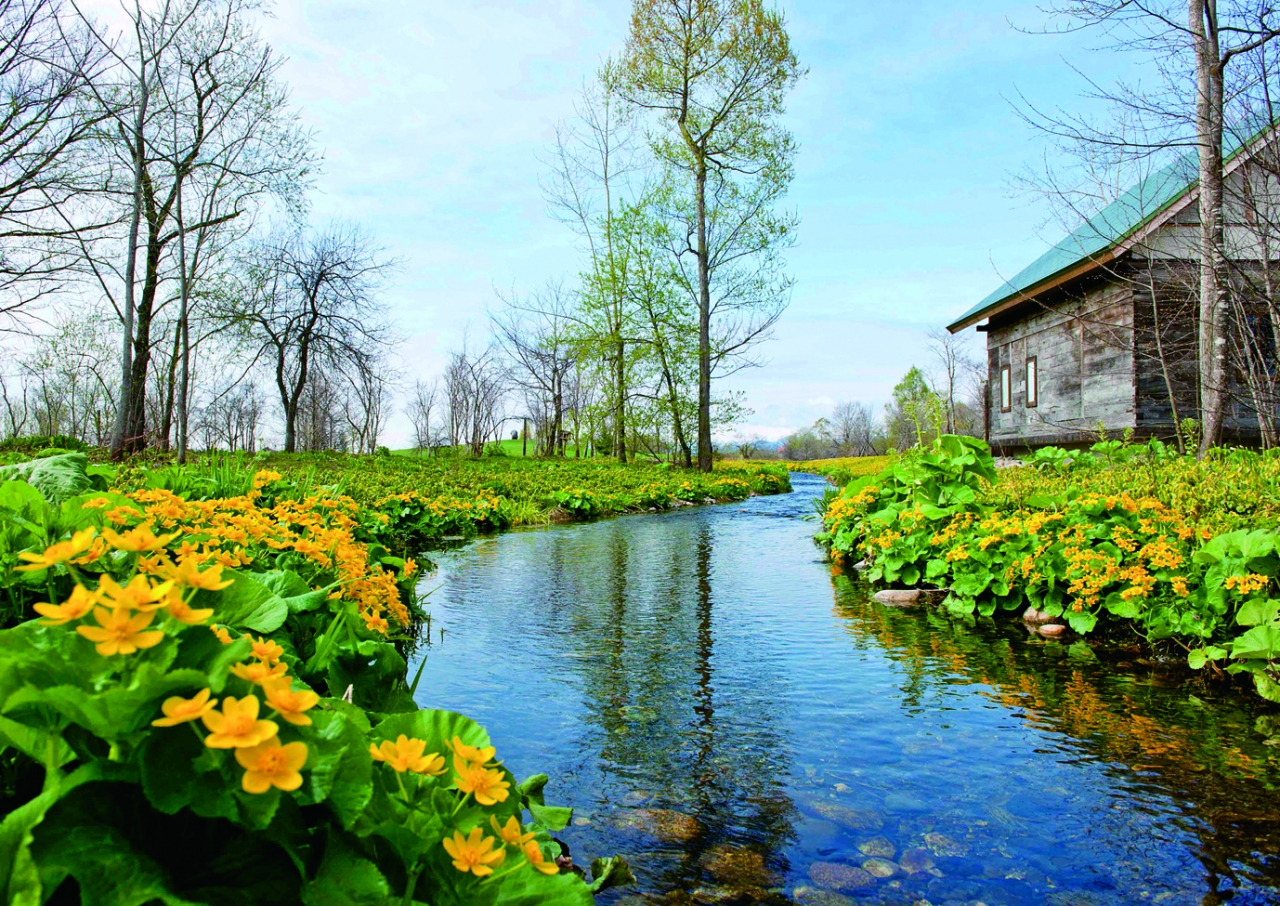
[
  {"x": 880, "y": 868},
  {"x": 878, "y": 846},
  {"x": 667, "y": 825},
  {"x": 834, "y": 876},
  {"x": 852, "y": 818}
]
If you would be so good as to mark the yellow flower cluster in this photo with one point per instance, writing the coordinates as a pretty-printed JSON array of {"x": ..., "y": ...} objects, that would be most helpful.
[
  {"x": 1244, "y": 585},
  {"x": 225, "y": 532},
  {"x": 267, "y": 762}
]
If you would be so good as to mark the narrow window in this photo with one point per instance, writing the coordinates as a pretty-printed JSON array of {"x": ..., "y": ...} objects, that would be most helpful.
[
  {"x": 1006, "y": 389},
  {"x": 1033, "y": 383}
]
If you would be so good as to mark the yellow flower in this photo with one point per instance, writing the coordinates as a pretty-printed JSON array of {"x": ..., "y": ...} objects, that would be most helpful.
[
  {"x": 533, "y": 852},
  {"x": 266, "y": 650},
  {"x": 288, "y": 703},
  {"x": 137, "y": 540},
  {"x": 406, "y": 754},
  {"x": 223, "y": 636},
  {"x": 471, "y": 753},
  {"x": 187, "y": 574},
  {"x": 183, "y": 612},
  {"x": 511, "y": 833},
  {"x": 258, "y": 672},
  {"x": 488, "y": 785},
  {"x": 96, "y": 503},
  {"x": 139, "y": 594},
  {"x": 474, "y": 853},
  {"x": 178, "y": 710},
  {"x": 264, "y": 477},
  {"x": 59, "y": 552},
  {"x": 237, "y": 726},
  {"x": 119, "y": 632},
  {"x": 270, "y": 764},
  {"x": 410, "y": 567},
  {"x": 76, "y": 606}
]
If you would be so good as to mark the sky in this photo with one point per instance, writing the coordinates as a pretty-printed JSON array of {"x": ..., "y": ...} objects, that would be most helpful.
[{"x": 435, "y": 117}]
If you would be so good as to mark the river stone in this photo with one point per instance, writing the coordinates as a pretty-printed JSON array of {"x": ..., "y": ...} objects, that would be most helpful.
[
  {"x": 852, "y": 818},
  {"x": 914, "y": 860},
  {"x": 879, "y": 847},
  {"x": 813, "y": 896},
  {"x": 897, "y": 597},
  {"x": 880, "y": 868},
  {"x": 834, "y": 876},
  {"x": 942, "y": 845},
  {"x": 667, "y": 825},
  {"x": 1031, "y": 615},
  {"x": 816, "y": 896},
  {"x": 736, "y": 867},
  {"x": 862, "y": 566},
  {"x": 1051, "y": 630}
]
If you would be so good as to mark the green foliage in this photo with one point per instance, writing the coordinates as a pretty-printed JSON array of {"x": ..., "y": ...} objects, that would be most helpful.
[
  {"x": 98, "y": 798},
  {"x": 1185, "y": 553}
]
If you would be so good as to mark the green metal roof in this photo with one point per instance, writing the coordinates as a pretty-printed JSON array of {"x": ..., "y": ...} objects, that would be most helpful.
[{"x": 1114, "y": 223}]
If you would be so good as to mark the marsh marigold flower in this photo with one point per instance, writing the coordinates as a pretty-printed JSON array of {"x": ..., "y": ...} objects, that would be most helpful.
[
  {"x": 266, "y": 650},
  {"x": 223, "y": 636},
  {"x": 264, "y": 477},
  {"x": 59, "y": 552},
  {"x": 237, "y": 726},
  {"x": 511, "y": 833},
  {"x": 120, "y": 632},
  {"x": 76, "y": 606},
  {"x": 270, "y": 764},
  {"x": 137, "y": 540},
  {"x": 488, "y": 785},
  {"x": 537, "y": 861},
  {"x": 480, "y": 756},
  {"x": 474, "y": 853},
  {"x": 187, "y": 574},
  {"x": 258, "y": 672},
  {"x": 406, "y": 754},
  {"x": 287, "y": 702},
  {"x": 179, "y": 710},
  {"x": 183, "y": 612},
  {"x": 139, "y": 594}
]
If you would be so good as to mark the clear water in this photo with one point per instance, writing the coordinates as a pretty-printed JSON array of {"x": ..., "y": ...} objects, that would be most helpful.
[{"x": 746, "y": 727}]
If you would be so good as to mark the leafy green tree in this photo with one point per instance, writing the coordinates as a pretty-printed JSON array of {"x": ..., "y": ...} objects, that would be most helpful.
[
  {"x": 917, "y": 412},
  {"x": 717, "y": 73}
]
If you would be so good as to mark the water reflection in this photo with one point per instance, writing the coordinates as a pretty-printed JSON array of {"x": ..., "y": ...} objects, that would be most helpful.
[{"x": 748, "y": 728}]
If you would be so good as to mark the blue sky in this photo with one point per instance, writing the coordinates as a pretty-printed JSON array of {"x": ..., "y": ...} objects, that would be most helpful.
[{"x": 433, "y": 116}]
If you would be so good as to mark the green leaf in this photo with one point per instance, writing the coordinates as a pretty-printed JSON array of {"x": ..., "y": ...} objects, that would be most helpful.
[
  {"x": 339, "y": 768},
  {"x": 345, "y": 878},
  {"x": 246, "y": 603},
  {"x": 1198, "y": 657},
  {"x": 1126, "y": 610},
  {"x": 56, "y": 478},
  {"x": 1258, "y": 642},
  {"x": 610, "y": 872},
  {"x": 1081, "y": 621},
  {"x": 553, "y": 818},
  {"x": 1256, "y": 611}
]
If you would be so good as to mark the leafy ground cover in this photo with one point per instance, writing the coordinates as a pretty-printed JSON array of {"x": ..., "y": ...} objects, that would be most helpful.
[
  {"x": 203, "y": 699},
  {"x": 1122, "y": 539},
  {"x": 429, "y": 498}
]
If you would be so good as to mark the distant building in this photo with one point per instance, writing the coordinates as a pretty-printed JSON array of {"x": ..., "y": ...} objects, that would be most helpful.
[{"x": 1100, "y": 331}]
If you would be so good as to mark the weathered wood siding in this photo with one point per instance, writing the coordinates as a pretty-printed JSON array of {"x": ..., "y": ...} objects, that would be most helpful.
[
  {"x": 1166, "y": 315},
  {"x": 1083, "y": 344}
]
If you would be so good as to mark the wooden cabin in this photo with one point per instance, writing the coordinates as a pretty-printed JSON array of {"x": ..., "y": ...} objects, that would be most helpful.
[{"x": 1100, "y": 332}]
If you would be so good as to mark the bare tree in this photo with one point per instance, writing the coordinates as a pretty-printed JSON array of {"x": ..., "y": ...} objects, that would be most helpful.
[
  {"x": 421, "y": 409},
  {"x": 365, "y": 406},
  {"x": 310, "y": 300},
  {"x": 853, "y": 428},
  {"x": 537, "y": 335},
  {"x": 956, "y": 370},
  {"x": 475, "y": 388}
]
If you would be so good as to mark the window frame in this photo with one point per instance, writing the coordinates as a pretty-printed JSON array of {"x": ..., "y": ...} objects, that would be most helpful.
[
  {"x": 1006, "y": 388},
  {"x": 1032, "y": 377}
]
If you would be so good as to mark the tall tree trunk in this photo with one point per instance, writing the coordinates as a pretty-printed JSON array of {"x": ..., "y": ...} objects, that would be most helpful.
[
  {"x": 620, "y": 385},
  {"x": 121, "y": 429},
  {"x": 704, "y": 326},
  {"x": 1212, "y": 351},
  {"x": 184, "y": 329},
  {"x": 170, "y": 390}
]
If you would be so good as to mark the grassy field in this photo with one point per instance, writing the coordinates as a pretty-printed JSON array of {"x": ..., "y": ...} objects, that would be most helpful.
[{"x": 844, "y": 469}]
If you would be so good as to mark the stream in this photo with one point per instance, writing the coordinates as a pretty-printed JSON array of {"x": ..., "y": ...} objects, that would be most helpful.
[{"x": 746, "y": 727}]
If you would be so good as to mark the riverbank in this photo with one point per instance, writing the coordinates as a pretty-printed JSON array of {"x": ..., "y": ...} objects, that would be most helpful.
[
  {"x": 1135, "y": 542},
  {"x": 270, "y": 603}
]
